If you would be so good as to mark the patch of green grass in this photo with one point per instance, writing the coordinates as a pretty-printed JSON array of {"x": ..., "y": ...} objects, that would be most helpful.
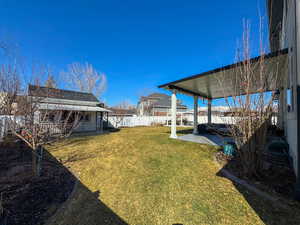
[{"x": 144, "y": 177}]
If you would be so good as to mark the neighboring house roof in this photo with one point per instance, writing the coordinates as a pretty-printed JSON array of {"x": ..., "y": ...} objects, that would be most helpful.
[
  {"x": 157, "y": 95},
  {"x": 46, "y": 92},
  {"x": 166, "y": 103},
  {"x": 162, "y": 101},
  {"x": 153, "y": 96}
]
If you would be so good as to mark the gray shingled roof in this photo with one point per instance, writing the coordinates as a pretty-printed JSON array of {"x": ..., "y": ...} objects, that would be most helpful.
[
  {"x": 157, "y": 95},
  {"x": 166, "y": 102},
  {"x": 39, "y": 91}
]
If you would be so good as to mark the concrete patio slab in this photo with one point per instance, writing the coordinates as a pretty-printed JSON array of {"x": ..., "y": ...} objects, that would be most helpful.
[{"x": 210, "y": 139}]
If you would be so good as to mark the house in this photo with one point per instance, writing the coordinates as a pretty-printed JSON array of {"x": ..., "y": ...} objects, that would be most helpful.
[
  {"x": 284, "y": 29},
  {"x": 157, "y": 104},
  {"x": 93, "y": 113}
]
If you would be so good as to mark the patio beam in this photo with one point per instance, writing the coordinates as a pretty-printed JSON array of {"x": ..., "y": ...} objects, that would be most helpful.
[
  {"x": 173, "y": 114},
  {"x": 172, "y": 87},
  {"x": 209, "y": 111},
  {"x": 195, "y": 114}
]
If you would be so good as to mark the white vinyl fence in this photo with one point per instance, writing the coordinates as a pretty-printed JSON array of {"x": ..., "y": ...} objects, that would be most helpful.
[
  {"x": 3, "y": 126},
  {"x": 166, "y": 120},
  {"x": 137, "y": 121},
  {"x": 152, "y": 120}
]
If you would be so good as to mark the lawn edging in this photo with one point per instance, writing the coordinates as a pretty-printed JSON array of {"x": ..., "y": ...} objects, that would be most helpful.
[{"x": 279, "y": 201}]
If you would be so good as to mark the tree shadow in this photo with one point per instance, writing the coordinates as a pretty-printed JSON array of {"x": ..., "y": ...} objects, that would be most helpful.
[
  {"x": 57, "y": 197},
  {"x": 83, "y": 205},
  {"x": 181, "y": 131}
]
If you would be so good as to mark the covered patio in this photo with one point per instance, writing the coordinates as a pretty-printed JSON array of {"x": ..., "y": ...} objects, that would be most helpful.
[{"x": 223, "y": 83}]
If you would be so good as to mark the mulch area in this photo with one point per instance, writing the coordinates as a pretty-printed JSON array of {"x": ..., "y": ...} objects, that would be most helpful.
[
  {"x": 28, "y": 200},
  {"x": 275, "y": 179}
]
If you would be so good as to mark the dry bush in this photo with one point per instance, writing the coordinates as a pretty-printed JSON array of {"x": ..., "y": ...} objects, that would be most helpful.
[{"x": 252, "y": 84}]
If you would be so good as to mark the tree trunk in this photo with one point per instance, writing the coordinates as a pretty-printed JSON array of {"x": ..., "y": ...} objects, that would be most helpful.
[{"x": 34, "y": 163}]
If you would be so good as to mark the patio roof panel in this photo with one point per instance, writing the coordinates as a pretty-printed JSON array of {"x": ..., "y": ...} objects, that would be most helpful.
[{"x": 223, "y": 82}]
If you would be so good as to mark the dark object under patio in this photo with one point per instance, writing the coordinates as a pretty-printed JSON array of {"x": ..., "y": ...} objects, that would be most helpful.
[
  {"x": 277, "y": 153},
  {"x": 215, "y": 128}
]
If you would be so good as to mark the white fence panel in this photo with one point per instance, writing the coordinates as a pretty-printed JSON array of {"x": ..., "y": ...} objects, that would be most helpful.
[
  {"x": 3, "y": 126},
  {"x": 137, "y": 121},
  {"x": 150, "y": 120}
]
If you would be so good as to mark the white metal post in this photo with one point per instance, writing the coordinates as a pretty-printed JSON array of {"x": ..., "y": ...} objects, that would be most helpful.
[
  {"x": 195, "y": 115},
  {"x": 181, "y": 120},
  {"x": 173, "y": 112},
  {"x": 209, "y": 111},
  {"x": 281, "y": 106},
  {"x": 101, "y": 122}
]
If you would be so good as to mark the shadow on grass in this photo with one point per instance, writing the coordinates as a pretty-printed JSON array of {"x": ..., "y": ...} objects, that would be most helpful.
[
  {"x": 181, "y": 131},
  {"x": 83, "y": 205}
]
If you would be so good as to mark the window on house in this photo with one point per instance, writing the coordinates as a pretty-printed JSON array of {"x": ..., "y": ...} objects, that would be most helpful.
[
  {"x": 47, "y": 116},
  {"x": 289, "y": 99},
  {"x": 290, "y": 89},
  {"x": 85, "y": 117}
]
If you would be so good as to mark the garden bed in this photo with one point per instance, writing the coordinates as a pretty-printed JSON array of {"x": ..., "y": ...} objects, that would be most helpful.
[
  {"x": 26, "y": 199},
  {"x": 274, "y": 179}
]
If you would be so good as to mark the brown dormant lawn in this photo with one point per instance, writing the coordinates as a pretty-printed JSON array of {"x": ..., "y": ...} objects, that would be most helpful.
[{"x": 140, "y": 176}]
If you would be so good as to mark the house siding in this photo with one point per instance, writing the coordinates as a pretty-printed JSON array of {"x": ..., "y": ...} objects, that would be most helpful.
[
  {"x": 290, "y": 40},
  {"x": 157, "y": 105},
  {"x": 88, "y": 125}
]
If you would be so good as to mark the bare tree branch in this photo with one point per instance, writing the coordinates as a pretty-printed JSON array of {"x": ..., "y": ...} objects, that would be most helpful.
[{"x": 84, "y": 77}]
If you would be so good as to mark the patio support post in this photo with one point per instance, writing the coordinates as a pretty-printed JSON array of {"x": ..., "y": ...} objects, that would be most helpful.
[
  {"x": 101, "y": 121},
  {"x": 181, "y": 120},
  {"x": 195, "y": 115},
  {"x": 282, "y": 104},
  {"x": 209, "y": 111},
  {"x": 173, "y": 112}
]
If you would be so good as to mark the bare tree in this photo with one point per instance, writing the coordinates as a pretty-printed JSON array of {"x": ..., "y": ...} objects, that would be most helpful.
[
  {"x": 147, "y": 108},
  {"x": 84, "y": 77},
  {"x": 121, "y": 111},
  {"x": 117, "y": 116},
  {"x": 252, "y": 102},
  {"x": 50, "y": 82},
  {"x": 125, "y": 105},
  {"x": 25, "y": 115}
]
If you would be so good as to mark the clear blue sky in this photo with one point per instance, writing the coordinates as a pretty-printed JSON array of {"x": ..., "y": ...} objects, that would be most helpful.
[{"x": 138, "y": 44}]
